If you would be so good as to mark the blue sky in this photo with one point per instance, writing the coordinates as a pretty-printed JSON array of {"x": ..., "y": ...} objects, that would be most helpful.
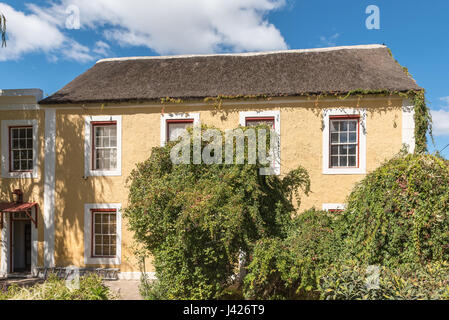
[{"x": 43, "y": 53}]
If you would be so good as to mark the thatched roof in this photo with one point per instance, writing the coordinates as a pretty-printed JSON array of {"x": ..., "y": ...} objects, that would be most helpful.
[{"x": 281, "y": 73}]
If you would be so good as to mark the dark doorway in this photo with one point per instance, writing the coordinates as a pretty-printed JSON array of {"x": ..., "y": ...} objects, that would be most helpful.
[{"x": 21, "y": 246}]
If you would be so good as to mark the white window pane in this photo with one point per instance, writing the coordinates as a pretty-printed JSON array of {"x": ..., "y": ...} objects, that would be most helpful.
[{"x": 175, "y": 130}]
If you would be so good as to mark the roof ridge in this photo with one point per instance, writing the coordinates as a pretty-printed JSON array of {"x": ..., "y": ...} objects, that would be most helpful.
[{"x": 245, "y": 54}]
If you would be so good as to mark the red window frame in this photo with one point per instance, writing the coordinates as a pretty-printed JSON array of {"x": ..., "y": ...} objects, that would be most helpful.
[
  {"x": 344, "y": 117},
  {"x": 254, "y": 119},
  {"x": 335, "y": 211},
  {"x": 10, "y": 147},
  {"x": 92, "y": 246},
  {"x": 169, "y": 121},
  {"x": 93, "y": 140}
]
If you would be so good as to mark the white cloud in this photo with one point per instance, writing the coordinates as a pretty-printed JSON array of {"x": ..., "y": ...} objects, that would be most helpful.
[
  {"x": 330, "y": 41},
  {"x": 101, "y": 48},
  {"x": 165, "y": 26},
  {"x": 35, "y": 32},
  {"x": 446, "y": 101},
  {"x": 27, "y": 33},
  {"x": 440, "y": 118},
  {"x": 440, "y": 125}
]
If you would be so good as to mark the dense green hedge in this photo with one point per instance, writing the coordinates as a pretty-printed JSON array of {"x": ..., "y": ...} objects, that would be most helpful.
[
  {"x": 399, "y": 213},
  {"x": 290, "y": 268},
  {"x": 406, "y": 282},
  {"x": 396, "y": 219},
  {"x": 196, "y": 220}
]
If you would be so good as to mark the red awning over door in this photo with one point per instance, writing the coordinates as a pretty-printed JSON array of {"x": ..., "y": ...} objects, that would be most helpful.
[{"x": 11, "y": 207}]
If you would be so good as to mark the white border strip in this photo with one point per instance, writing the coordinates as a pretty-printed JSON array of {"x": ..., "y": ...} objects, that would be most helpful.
[
  {"x": 88, "y": 234},
  {"x": 5, "y": 245},
  {"x": 49, "y": 188},
  {"x": 408, "y": 125}
]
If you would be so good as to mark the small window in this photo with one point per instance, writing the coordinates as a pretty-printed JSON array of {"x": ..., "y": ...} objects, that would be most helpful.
[
  {"x": 335, "y": 211},
  {"x": 21, "y": 149},
  {"x": 335, "y": 208},
  {"x": 255, "y": 121},
  {"x": 104, "y": 155},
  {"x": 104, "y": 225},
  {"x": 175, "y": 128},
  {"x": 344, "y": 142}
]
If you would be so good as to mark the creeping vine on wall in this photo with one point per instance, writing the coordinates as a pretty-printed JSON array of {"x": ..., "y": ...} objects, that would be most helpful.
[{"x": 422, "y": 117}]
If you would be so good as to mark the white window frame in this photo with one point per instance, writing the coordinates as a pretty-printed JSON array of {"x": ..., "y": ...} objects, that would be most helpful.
[
  {"x": 361, "y": 113},
  {"x": 176, "y": 116},
  {"x": 333, "y": 206},
  {"x": 6, "y": 173},
  {"x": 88, "y": 165},
  {"x": 276, "y": 114},
  {"x": 88, "y": 259}
]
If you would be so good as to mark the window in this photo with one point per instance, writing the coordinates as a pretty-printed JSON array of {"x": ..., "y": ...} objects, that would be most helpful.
[
  {"x": 104, "y": 222},
  {"x": 252, "y": 122},
  {"x": 344, "y": 142},
  {"x": 105, "y": 145},
  {"x": 102, "y": 146},
  {"x": 272, "y": 119},
  {"x": 174, "y": 124},
  {"x": 19, "y": 148},
  {"x": 102, "y": 234},
  {"x": 175, "y": 128},
  {"x": 336, "y": 208}
]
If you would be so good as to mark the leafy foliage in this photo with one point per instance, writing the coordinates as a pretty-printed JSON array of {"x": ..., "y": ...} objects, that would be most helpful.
[
  {"x": 407, "y": 282},
  {"x": 290, "y": 268},
  {"x": 399, "y": 213},
  {"x": 91, "y": 287},
  {"x": 423, "y": 121},
  {"x": 196, "y": 219},
  {"x": 3, "y": 29}
]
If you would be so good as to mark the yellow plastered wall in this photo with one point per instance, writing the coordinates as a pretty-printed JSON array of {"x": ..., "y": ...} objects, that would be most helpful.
[
  {"x": 301, "y": 144},
  {"x": 32, "y": 188}
]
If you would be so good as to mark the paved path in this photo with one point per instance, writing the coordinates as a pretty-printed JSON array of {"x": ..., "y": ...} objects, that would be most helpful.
[{"x": 127, "y": 289}]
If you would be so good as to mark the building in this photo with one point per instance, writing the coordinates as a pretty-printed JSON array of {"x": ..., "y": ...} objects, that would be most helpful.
[{"x": 70, "y": 155}]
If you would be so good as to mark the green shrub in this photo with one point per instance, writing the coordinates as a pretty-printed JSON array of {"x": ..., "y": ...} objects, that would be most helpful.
[
  {"x": 399, "y": 213},
  {"x": 407, "y": 282},
  {"x": 91, "y": 287},
  {"x": 290, "y": 268},
  {"x": 196, "y": 219}
]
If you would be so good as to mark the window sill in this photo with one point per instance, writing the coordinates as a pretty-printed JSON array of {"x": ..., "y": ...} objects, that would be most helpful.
[
  {"x": 97, "y": 173},
  {"x": 344, "y": 171},
  {"x": 20, "y": 175},
  {"x": 110, "y": 261}
]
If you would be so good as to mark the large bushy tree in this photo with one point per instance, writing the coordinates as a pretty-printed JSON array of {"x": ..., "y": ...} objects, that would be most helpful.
[{"x": 196, "y": 220}]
